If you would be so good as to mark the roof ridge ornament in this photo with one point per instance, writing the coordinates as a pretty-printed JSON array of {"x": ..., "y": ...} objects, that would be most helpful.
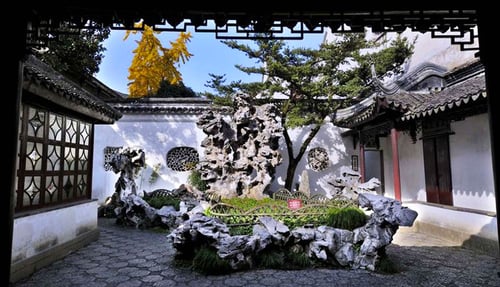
[{"x": 386, "y": 88}]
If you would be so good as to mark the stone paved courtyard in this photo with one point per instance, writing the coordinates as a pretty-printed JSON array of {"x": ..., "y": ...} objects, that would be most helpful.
[{"x": 132, "y": 257}]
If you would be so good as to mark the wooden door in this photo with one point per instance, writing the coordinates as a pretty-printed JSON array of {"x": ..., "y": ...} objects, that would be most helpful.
[{"x": 438, "y": 170}]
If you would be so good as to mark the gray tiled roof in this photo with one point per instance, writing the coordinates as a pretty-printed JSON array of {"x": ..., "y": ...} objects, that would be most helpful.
[
  {"x": 449, "y": 98},
  {"x": 64, "y": 92},
  {"x": 171, "y": 106},
  {"x": 414, "y": 105}
]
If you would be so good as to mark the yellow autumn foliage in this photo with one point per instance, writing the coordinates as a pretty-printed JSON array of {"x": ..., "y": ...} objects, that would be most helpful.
[{"x": 152, "y": 63}]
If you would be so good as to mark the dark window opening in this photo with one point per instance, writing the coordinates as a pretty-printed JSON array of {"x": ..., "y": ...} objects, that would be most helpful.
[{"x": 374, "y": 167}]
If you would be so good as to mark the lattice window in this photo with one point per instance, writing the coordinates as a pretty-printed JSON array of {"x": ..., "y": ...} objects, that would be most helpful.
[
  {"x": 318, "y": 159},
  {"x": 54, "y": 159},
  {"x": 109, "y": 153},
  {"x": 182, "y": 158}
]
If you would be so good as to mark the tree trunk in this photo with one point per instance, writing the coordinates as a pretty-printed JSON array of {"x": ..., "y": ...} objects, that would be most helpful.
[
  {"x": 290, "y": 174},
  {"x": 293, "y": 162}
]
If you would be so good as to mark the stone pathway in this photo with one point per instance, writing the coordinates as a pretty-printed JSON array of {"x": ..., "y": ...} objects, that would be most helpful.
[{"x": 130, "y": 257}]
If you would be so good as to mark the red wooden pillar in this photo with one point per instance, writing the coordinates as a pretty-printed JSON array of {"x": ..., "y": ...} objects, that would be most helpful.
[{"x": 395, "y": 164}]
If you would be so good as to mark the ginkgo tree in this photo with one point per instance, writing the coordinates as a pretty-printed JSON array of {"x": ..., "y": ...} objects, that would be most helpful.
[{"x": 153, "y": 63}]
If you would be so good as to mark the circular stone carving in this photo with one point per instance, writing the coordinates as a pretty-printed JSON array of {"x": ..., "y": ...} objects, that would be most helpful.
[
  {"x": 318, "y": 159},
  {"x": 182, "y": 158}
]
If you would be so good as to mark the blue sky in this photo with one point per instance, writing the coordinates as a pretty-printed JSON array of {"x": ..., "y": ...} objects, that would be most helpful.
[{"x": 209, "y": 56}]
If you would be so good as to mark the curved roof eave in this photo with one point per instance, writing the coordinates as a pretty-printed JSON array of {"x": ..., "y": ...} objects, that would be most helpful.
[{"x": 45, "y": 82}]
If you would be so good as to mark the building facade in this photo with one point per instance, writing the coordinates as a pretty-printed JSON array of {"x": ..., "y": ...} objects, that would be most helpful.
[
  {"x": 54, "y": 209},
  {"x": 426, "y": 134}
]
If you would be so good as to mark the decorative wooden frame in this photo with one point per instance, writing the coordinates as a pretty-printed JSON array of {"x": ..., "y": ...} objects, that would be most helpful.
[{"x": 354, "y": 163}]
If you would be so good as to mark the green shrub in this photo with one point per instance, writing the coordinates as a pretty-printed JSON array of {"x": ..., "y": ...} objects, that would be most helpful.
[
  {"x": 160, "y": 201},
  {"x": 298, "y": 260},
  {"x": 346, "y": 218},
  {"x": 207, "y": 261},
  {"x": 270, "y": 259},
  {"x": 208, "y": 212},
  {"x": 245, "y": 203},
  {"x": 241, "y": 229},
  {"x": 293, "y": 221},
  {"x": 314, "y": 220},
  {"x": 238, "y": 212},
  {"x": 195, "y": 180}
]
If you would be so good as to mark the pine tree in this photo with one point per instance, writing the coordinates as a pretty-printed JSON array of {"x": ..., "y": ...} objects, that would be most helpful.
[
  {"x": 178, "y": 90},
  {"x": 316, "y": 82},
  {"x": 76, "y": 54}
]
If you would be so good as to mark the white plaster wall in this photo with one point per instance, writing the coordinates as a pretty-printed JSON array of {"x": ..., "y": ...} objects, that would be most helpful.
[
  {"x": 471, "y": 165},
  {"x": 156, "y": 135},
  {"x": 39, "y": 232},
  {"x": 466, "y": 222},
  {"x": 435, "y": 50},
  {"x": 411, "y": 168},
  {"x": 339, "y": 152}
]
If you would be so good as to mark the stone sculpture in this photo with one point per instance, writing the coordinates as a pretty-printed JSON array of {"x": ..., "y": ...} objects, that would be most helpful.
[
  {"x": 357, "y": 249},
  {"x": 131, "y": 209},
  {"x": 136, "y": 211},
  {"x": 127, "y": 162},
  {"x": 240, "y": 156},
  {"x": 348, "y": 184}
]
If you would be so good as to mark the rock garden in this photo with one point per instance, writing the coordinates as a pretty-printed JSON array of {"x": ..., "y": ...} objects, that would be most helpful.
[{"x": 226, "y": 219}]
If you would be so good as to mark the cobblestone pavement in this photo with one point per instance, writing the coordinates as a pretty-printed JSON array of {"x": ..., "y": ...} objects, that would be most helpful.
[{"x": 131, "y": 257}]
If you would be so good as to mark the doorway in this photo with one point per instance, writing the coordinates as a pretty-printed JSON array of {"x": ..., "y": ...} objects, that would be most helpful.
[{"x": 374, "y": 167}]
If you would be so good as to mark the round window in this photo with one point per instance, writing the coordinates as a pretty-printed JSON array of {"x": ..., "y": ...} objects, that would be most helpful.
[
  {"x": 318, "y": 159},
  {"x": 182, "y": 158}
]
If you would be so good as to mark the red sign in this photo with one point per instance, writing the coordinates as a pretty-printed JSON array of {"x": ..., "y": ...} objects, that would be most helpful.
[{"x": 294, "y": 204}]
